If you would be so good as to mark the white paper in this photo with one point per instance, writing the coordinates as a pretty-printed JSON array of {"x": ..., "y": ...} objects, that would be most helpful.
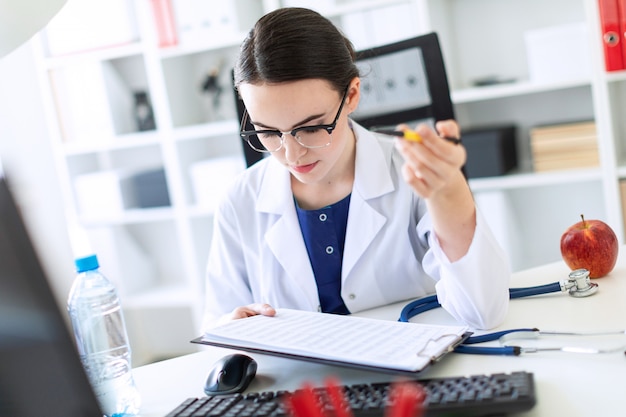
[{"x": 357, "y": 340}]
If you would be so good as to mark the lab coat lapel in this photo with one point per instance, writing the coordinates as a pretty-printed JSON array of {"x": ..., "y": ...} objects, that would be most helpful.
[
  {"x": 364, "y": 221},
  {"x": 284, "y": 237}
]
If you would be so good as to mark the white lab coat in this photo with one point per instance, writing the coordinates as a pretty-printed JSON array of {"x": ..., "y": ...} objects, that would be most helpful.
[{"x": 258, "y": 253}]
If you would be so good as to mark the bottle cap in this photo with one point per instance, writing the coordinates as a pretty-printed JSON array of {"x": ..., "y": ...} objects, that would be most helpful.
[{"x": 87, "y": 263}]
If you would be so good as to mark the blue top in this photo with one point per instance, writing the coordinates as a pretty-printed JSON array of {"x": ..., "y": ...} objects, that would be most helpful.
[
  {"x": 324, "y": 233},
  {"x": 87, "y": 263}
]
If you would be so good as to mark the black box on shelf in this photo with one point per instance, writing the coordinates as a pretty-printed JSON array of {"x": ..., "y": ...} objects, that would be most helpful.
[
  {"x": 491, "y": 150},
  {"x": 150, "y": 189}
]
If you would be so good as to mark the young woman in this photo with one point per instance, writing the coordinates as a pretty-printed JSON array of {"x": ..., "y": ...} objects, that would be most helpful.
[{"x": 339, "y": 219}]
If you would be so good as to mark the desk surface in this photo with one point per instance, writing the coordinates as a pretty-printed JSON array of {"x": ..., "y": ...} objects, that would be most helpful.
[{"x": 567, "y": 384}]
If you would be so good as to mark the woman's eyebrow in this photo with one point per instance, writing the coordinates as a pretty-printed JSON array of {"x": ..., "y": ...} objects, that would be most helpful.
[{"x": 300, "y": 123}]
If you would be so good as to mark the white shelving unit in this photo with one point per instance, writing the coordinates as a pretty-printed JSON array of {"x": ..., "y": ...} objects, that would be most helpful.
[
  {"x": 157, "y": 255},
  {"x": 528, "y": 210}
]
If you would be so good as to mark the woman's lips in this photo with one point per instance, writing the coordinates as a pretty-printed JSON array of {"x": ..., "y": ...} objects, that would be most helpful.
[{"x": 304, "y": 169}]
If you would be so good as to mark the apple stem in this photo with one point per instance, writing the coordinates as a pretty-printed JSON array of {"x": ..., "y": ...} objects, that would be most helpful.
[{"x": 583, "y": 217}]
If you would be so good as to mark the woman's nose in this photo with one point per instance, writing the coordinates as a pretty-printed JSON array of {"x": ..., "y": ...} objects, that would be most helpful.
[{"x": 293, "y": 149}]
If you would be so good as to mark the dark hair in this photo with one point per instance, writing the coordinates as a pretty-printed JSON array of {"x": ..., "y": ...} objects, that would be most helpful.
[{"x": 294, "y": 43}]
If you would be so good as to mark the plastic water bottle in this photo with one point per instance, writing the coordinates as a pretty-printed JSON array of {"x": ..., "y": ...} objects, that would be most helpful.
[{"x": 102, "y": 341}]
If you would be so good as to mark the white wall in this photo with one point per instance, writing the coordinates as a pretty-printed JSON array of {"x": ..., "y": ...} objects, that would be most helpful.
[{"x": 27, "y": 159}]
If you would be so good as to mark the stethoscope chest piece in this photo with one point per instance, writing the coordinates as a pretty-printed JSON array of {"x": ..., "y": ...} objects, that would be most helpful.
[{"x": 579, "y": 284}]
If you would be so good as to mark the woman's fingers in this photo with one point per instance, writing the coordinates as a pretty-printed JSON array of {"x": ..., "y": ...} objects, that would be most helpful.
[
  {"x": 252, "y": 310},
  {"x": 431, "y": 163}
]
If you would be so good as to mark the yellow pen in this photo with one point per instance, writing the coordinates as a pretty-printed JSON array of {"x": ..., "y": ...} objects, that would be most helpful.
[{"x": 411, "y": 135}]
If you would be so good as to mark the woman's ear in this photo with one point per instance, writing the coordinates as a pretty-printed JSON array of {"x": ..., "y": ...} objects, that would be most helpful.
[{"x": 354, "y": 95}]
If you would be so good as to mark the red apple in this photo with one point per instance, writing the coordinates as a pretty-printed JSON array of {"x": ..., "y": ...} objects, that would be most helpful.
[{"x": 590, "y": 244}]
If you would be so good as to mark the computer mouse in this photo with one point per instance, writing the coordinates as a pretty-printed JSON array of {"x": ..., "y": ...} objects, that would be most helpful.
[{"x": 231, "y": 374}]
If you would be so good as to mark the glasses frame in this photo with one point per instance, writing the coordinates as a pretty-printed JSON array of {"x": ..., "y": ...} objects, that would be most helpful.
[{"x": 247, "y": 135}]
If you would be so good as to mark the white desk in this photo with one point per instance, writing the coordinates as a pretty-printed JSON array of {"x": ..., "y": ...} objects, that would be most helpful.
[{"x": 567, "y": 384}]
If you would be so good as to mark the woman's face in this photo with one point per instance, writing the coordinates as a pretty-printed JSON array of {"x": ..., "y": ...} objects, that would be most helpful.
[{"x": 289, "y": 105}]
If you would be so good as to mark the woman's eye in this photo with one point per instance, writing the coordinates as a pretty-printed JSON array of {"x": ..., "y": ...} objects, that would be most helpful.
[
  {"x": 309, "y": 130},
  {"x": 269, "y": 135}
]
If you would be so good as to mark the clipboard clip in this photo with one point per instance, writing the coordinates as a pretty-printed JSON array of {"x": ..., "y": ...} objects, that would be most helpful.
[{"x": 439, "y": 353}]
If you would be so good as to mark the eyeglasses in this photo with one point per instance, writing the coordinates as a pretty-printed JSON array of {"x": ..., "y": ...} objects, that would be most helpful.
[{"x": 316, "y": 136}]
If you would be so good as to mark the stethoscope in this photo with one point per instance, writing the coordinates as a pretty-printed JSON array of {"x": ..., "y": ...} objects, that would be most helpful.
[{"x": 578, "y": 284}]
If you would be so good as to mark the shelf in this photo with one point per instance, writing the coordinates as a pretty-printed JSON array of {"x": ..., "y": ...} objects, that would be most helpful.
[
  {"x": 474, "y": 94},
  {"x": 228, "y": 40},
  {"x": 102, "y": 54},
  {"x": 131, "y": 216},
  {"x": 340, "y": 9},
  {"x": 616, "y": 76},
  {"x": 125, "y": 141},
  {"x": 535, "y": 179},
  {"x": 621, "y": 172},
  {"x": 171, "y": 296},
  {"x": 211, "y": 129},
  {"x": 200, "y": 211}
]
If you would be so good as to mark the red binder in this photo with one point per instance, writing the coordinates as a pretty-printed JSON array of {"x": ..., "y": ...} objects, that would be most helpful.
[
  {"x": 612, "y": 34},
  {"x": 621, "y": 7},
  {"x": 165, "y": 23}
]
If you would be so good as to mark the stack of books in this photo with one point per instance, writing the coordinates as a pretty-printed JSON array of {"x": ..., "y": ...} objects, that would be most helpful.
[{"x": 564, "y": 146}]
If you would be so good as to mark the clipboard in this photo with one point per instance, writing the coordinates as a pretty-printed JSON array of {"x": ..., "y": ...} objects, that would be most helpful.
[{"x": 347, "y": 341}]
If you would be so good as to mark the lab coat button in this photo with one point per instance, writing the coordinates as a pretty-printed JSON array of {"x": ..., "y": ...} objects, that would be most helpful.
[
  {"x": 323, "y": 217},
  {"x": 329, "y": 249},
  {"x": 352, "y": 296}
]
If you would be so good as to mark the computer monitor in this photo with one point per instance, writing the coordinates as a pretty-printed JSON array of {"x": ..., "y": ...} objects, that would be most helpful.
[
  {"x": 40, "y": 371},
  {"x": 403, "y": 82}
]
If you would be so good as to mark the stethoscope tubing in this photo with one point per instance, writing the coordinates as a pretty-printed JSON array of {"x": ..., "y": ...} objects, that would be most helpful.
[
  {"x": 475, "y": 350},
  {"x": 431, "y": 302},
  {"x": 538, "y": 290}
]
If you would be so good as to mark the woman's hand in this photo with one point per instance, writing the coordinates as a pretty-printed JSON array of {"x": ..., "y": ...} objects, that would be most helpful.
[
  {"x": 248, "y": 311},
  {"x": 433, "y": 169},
  {"x": 433, "y": 164}
]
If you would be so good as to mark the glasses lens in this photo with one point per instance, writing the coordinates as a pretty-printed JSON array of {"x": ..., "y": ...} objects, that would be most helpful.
[
  {"x": 313, "y": 137},
  {"x": 263, "y": 142},
  {"x": 270, "y": 141},
  {"x": 255, "y": 143}
]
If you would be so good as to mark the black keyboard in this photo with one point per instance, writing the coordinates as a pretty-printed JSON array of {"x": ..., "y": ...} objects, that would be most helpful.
[{"x": 478, "y": 395}]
